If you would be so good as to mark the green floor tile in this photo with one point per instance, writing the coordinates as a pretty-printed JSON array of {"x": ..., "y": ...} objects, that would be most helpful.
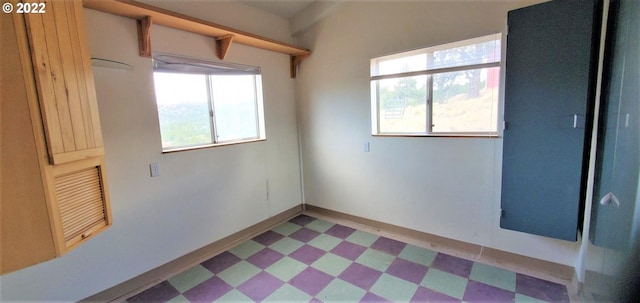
[
  {"x": 286, "y": 268},
  {"x": 362, "y": 238},
  {"x": 325, "y": 242},
  {"x": 190, "y": 278},
  {"x": 286, "y": 228},
  {"x": 246, "y": 249},
  {"x": 493, "y": 276},
  {"x": 319, "y": 225},
  {"x": 520, "y": 298},
  {"x": 287, "y": 293},
  {"x": 331, "y": 264},
  {"x": 178, "y": 299},
  {"x": 234, "y": 296},
  {"x": 341, "y": 291},
  {"x": 418, "y": 255},
  {"x": 375, "y": 259},
  {"x": 239, "y": 273},
  {"x": 444, "y": 282},
  {"x": 394, "y": 289},
  {"x": 286, "y": 246}
]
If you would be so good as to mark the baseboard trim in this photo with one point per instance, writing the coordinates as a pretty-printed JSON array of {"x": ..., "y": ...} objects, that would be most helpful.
[
  {"x": 150, "y": 278},
  {"x": 527, "y": 265}
]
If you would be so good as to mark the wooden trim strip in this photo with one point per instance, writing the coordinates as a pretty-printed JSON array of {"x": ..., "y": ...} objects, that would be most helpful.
[
  {"x": 530, "y": 266},
  {"x": 140, "y": 283}
]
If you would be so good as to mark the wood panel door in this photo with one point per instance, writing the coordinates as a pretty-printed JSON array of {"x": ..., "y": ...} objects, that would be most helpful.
[
  {"x": 64, "y": 79},
  {"x": 550, "y": 67}
]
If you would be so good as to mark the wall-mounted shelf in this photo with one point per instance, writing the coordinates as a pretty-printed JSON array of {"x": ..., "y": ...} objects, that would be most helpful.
[{"x": 224, "y": 36}]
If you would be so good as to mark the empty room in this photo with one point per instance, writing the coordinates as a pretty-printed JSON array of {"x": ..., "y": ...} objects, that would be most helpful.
[{"x": 326, "y": 151}]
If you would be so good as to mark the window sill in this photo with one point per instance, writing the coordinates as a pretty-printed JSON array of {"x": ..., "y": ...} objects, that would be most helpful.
[
  {"x": 443, "y": 135},
  {"x": 181, "y": 149}
]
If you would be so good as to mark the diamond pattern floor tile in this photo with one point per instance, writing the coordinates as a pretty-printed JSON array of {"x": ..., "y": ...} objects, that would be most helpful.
[
  {"x": 394, "y": 289},
  {"x": 313, "y": 260},
  {"x": 190, "y": 278},
  {"x": 454, "y": 265},
  {"x": 311, "y": 281}
]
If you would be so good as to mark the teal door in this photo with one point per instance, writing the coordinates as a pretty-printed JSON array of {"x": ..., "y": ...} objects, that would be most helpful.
[
  {"x": 615, "y": 212},
  {"x": 550, "y": 71}
]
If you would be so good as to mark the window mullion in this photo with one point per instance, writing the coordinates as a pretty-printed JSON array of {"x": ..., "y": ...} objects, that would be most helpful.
[
  {"x": 429, "y": 104},
  {"x": 255, "y": 103},
  {"x": 212, "y": 111}
]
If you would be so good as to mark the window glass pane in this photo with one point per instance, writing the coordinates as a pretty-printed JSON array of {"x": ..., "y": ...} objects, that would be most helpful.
[
  {"x": 402, "y": 106},
  {"x": 484, "y": 52},
  {"x": 466, "y": 101},
  {"x": 401, "y": 65},
  {"x": 234, "y": 102},
  {"x": 183, "y": 109}
]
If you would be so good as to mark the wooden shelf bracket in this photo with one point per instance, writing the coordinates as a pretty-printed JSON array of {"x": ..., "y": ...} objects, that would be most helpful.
[
  {"x": 222, "y": 45},
  {"x": 144, "y": 36},
  {"x": 146, "y": 15},
  {"x": 295, "y": 61}
]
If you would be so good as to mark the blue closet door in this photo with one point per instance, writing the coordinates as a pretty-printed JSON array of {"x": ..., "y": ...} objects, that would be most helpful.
[
  {"x": 550, "y": 75},
  {"x": 614, "y": 222}
]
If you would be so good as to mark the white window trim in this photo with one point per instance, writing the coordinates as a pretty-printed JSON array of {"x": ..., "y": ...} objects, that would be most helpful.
[
  {"x": 375, "y": 116},
  {"x": 187, "y": 65}
]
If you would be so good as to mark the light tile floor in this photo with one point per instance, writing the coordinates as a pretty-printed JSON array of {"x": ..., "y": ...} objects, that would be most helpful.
[{"x": 308, "y": 259}]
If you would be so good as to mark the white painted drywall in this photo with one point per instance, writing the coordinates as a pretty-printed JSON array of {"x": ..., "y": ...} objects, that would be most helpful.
[
  {"x": 444, "y": 186},
  {"x": 200, "y": 196}
]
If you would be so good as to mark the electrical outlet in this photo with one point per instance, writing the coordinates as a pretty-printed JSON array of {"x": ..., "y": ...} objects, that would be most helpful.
[
  {"x": 154, "y": 168},
  {"x": 366, "y": 147}
]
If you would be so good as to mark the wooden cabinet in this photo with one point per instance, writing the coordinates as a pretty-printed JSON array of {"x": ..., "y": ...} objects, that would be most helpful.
[
  {"x": 64, "y": 80},
  {"x": 53, "y": 186}
]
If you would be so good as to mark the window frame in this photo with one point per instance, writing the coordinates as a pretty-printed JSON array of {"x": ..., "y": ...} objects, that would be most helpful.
[
  {"x": 429, "y": 73},
  {"x": 181, "y": 65}
]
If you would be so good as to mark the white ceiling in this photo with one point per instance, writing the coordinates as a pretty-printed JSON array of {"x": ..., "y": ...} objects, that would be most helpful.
[{"x": 283, "y": 8}]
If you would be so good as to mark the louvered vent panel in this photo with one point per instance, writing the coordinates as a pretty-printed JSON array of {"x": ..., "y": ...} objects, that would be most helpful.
[{"x": 80, "y": 201}]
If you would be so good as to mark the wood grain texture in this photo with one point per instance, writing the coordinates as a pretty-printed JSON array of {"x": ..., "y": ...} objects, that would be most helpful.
[
  {"x": 23, "y": 210},
  {"x": 31, "y": 226},
  {"x": 65, "y": 81}
]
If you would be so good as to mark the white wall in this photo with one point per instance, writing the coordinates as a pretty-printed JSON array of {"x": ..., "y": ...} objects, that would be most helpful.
[
  {"x": 444, "y": 186},
  {"x": 201, "y": 196}
]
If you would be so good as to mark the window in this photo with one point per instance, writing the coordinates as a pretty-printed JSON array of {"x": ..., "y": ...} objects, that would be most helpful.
[
  {"x": 204, "y": 103},
  {"x": 449, "y": 90}
]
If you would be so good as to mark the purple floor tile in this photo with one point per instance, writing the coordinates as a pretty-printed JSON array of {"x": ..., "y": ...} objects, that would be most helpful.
[
  {"x": 360, "y": 275},
  {"x": 221, "y": 262},
  {"x": 389, "y": 246},
  {"x": 208, "y": 290},
  {"x": 311, "y": 281},
  {"x": 480, "y": 292},
  {"x": 304, "y": 234},
  {"x": 371, "y": 298},
  {"x": 302, "y": 220},
  {"x": 541, "y": 289},
  {"x": 265, "y": 258},
  {"x": 307, "y": 254},
  {"x": 160, "y": 293},
  {"x": 340, "y": 231},
  {"x": 454, "y": 265},
  {"x": 267, "y": 238},
  {"x": 427, "y": 295},
  {"x": 407, "y": 270},
  {"x": 260, "y": 286},
  {"x": 348, "y": 250}
]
